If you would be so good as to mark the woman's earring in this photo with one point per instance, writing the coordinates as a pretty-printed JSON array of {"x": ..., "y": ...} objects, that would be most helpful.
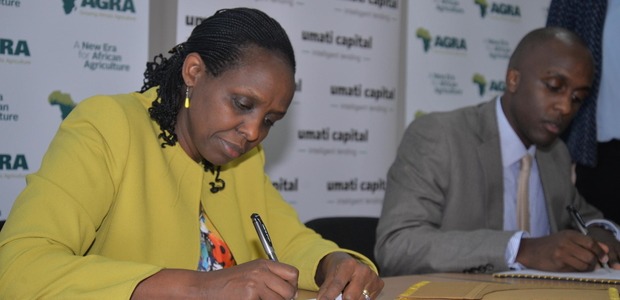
[{"x": 187, "y": 97}]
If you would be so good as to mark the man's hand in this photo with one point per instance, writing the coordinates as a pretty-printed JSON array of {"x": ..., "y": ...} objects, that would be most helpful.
[
  {"x": 610, "y": 243},
  {"x": 565, "y": 251}
]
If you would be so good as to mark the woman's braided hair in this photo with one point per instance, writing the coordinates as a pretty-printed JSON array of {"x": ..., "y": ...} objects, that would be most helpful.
[{"x": 220, "y": 41}]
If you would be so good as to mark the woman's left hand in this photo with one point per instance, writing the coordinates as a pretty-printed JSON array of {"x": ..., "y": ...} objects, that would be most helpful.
[{"x": 340, "y": 272}]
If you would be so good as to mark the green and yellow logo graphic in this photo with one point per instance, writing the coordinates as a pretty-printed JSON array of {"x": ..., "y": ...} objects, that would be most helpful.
[
  {"x": 425, "y": 36},
  {"x": 500, "y": 9},
  {"x": 481, "y": 82},
  {"x": 68, "y": 6},
  {"x": 483, "y": 7},
  {"x": 113, "y": 5},
  {"x": 445, "y": 42},
  {"x": 418, "y": 113},
  {"x": 494, "y": 85},
  {"x": 64, "y": 102}
]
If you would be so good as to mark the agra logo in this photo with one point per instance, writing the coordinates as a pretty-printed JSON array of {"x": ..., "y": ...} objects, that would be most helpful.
[
  {"x": 483, "y": 7},
  {"x": 68, "y": 6},
  {"x": 114, "y": 5},
  {"x": 495, "y": 86},
  {"x": 14, "y": 48},
  {"x": 481, "y": 82},
  {"x": 499, "y": 9},
  {"x": 445, "y": 42},
  {"x": 425, "y": 36},
  {"x": 64, "y": 102}
]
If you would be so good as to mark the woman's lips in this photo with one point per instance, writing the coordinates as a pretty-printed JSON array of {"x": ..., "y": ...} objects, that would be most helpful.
[{"x": 232, "y": 150}]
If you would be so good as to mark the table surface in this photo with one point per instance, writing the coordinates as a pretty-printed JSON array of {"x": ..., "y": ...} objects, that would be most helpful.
[{"x": 394, "y": 286}]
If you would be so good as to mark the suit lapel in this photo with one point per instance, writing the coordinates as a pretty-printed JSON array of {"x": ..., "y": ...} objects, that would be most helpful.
[
  {"x": 550, "y": 176},
  {"x": 489, "y": 156}
]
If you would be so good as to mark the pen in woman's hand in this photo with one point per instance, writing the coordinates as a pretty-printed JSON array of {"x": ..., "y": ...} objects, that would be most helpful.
[
  {"x": 263, "y": 236},
  {"x": 582, "y": 227}
]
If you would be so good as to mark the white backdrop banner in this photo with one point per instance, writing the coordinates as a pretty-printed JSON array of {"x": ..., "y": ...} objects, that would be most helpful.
[
  {"x": 53, "y": 54},
  {"x": 458, "y": 50},
  {"x": 329, "y": 156}
]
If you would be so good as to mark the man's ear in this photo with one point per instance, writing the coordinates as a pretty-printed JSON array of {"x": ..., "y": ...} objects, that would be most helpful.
[
  {"x": 513, "y": 78},
  {"x": 193, "y": 68}
]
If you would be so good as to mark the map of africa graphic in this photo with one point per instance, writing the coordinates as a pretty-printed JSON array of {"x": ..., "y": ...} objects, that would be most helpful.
[{"x": 64, "y": 102}]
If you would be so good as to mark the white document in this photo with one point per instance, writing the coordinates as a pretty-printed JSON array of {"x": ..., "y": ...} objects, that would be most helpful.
[{"x": 599, "y": 275}]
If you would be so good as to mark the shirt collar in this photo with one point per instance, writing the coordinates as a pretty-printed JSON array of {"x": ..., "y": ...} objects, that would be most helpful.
[{"x": 512, "y": 149}]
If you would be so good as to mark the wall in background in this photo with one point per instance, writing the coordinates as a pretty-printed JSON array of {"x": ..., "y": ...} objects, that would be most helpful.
[
  {"x": 365, "y": 68},
  {"x": 327, "y": 157},
  {"x": 53, "y": 54},
  {"x": 458, "y": 51}
]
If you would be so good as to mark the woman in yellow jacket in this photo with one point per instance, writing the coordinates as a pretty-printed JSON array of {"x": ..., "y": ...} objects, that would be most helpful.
[{"x": 149, "y": 194}]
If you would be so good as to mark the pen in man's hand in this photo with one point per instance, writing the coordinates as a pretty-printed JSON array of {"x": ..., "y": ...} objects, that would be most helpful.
[
  {"x": 263, "y": 236},
  {"x": 582, "y": 227}
]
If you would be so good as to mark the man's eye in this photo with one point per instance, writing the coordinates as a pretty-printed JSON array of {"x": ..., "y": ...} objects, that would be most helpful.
[
  {"x": 578, "y": 99},
  {"x": 553, "y": 87},
  {"x": 242, "y": 105},
  {"x": 269, "y": 122}
]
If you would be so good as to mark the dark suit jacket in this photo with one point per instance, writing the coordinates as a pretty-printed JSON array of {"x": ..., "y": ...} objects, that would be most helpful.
[{"x": 443, "y": 207}]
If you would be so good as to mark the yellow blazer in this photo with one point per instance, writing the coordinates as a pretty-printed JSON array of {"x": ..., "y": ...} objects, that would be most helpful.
[{"x": 109, "y": 207}]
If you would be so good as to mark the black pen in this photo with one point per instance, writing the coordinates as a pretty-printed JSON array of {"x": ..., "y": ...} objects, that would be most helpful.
[
  {"x": 263, "y": 236},
  {"x": 582, "y": 227}
]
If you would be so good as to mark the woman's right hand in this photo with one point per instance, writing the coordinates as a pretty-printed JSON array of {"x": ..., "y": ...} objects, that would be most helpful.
[{"x": 258, "y": 279}]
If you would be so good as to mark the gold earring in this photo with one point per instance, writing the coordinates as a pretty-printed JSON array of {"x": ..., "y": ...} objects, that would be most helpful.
[{"x": 187, "y": 97}]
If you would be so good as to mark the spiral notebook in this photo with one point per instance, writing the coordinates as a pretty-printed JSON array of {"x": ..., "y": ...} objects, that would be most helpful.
[{"x": 597, "y": 276}]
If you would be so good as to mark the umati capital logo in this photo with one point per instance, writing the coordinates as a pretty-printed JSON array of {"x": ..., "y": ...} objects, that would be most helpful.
[
  {"x": 450, "y": 43},
  {"x": 494, "y": 85},
  {"x": 106, "y": 5},
  {"x": 498, "y": 9}
]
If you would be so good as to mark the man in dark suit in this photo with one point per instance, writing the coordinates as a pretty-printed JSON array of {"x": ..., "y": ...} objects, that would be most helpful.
[{"x": 451, "y": 196}]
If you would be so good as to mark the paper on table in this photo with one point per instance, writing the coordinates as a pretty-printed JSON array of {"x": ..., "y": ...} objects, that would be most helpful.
[
  {"x": 337, "y": 298},
  {"x": 599, "y": 275},
  {"x": 503, "y": 291}
]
